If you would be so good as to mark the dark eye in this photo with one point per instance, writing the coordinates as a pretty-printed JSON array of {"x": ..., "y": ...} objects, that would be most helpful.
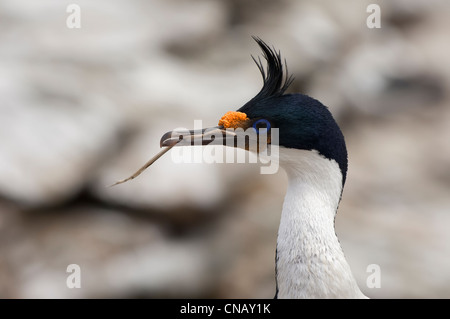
[{"x": 262, "y": 123}]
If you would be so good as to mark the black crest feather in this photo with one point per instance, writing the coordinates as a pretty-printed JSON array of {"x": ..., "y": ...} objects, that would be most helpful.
[{"x": 276, "y": 81}]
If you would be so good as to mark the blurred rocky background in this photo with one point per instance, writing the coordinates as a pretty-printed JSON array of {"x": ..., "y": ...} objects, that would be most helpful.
[{"x": 82, "y": 108}]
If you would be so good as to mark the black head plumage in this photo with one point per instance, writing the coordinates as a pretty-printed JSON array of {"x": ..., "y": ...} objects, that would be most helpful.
[
  {"x": 276, "y": 80},
  {"x": 303, "y": 122}
]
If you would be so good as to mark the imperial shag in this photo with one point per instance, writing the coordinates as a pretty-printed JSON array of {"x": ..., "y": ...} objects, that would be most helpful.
[{"x": 310, "y": 262}]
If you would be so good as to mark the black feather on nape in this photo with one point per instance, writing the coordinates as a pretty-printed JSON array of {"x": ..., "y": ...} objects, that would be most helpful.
[{"x": 275, "y": 81}]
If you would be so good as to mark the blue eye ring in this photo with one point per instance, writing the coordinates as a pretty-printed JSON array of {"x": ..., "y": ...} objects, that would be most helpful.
[{"x": 266, "y": 122}]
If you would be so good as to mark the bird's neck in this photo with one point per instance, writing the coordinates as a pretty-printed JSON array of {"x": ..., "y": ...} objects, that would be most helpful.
[{"x": 310, "y": 260}]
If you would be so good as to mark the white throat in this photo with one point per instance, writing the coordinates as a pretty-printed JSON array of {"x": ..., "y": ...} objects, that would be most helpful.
[{"x": 310, "y": 260}]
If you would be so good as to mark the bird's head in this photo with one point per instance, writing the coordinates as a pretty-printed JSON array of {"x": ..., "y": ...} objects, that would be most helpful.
[{"x": 303, "y": 122}]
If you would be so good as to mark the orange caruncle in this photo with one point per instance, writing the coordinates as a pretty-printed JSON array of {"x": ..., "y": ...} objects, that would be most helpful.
[{"x": 233, "y": 119}]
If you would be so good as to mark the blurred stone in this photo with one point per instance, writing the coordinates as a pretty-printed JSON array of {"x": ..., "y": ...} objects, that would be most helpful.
[
  {"x": 51, "y": 137},
  {"x": 118, "y": 255}
]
